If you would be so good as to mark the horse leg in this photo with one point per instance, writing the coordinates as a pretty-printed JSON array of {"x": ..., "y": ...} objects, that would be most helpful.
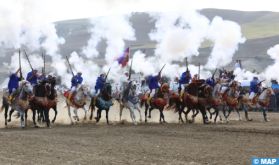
[
  {"x": 162, "y": 115},
  {"x": 265, "y": 115},
  {"x": 25, "y": 115},
  {"x": 216, "y": 114},
  {"x": 132, "y": 115},
  {"x": 137, "y": 107},
  {"x": 239, "y": 117},
  {"x": 186, "y": 114},
  {"x": 150, "y": 109},
  {"x": 120, "y": 112},
  {"x": 22, "y": 114},
  {"x": 46, "y": 115},
  {"x": 145, "y": 114},
  {"x": 69, "y": 113},
  {"x": 203, "y": 112},
  {"x": 245, "y": 108},
  {"x": 76, "y": 115},
  {"x": 55, "y": 113},
  {"x": 195, "y": 113},
  {"x": 92, "y": 108},
  {"x": 180, "y": 117},
  {"x": 85, "y": 113},
  {"x": 6, "y": 113},
  {"x": 98, "y": 117},
  {"x": 34, "y": 118},
  {"x": 10, "y": 115},
  {"x": 107, "y": 116}
]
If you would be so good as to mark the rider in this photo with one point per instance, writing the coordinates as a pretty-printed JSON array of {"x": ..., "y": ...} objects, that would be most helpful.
[
  {"x": 100, "y": 83},
  {"x": 254, "y": 87},
  {"x": 175, "y": 85},
  {"x": 185, "y": 79},
  {"x": 76, "y": 81},
  {"x": 32, "y": 77},
  {"x": 210, "y": 81},
  {"x": 13, "y": 84},
  {"x": 153, "y": 84}
]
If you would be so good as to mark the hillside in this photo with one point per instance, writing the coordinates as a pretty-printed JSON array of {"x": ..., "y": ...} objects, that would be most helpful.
[{"x": 260, "y": 28}]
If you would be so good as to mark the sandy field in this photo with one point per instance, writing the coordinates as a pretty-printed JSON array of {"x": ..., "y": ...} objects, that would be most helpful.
[{"x": 152, "y": 143}]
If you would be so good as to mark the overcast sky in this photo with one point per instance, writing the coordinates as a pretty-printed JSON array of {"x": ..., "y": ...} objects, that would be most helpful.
[{"x": 54, "y": 10}]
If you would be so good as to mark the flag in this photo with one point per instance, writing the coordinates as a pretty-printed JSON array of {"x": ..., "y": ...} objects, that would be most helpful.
[{"x": 124, "y": 58}]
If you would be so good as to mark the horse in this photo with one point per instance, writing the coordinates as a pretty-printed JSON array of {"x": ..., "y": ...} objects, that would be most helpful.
[
  {"x": 130, "y": 100},
  {"x": 231, "y": 100},
  {"x": 159, "y": 102},
  {"x": 78, "y": 100},
  {"x": 44, "y": 100},
  {"x": 195, "y": 97},
  {"x": 21, "y": 101},
  {"x": 103, "y": 102},
  {"x": 261, "y": 100}
]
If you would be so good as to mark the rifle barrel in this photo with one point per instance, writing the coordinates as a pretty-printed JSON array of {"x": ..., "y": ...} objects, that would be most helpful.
[
  {"x": 28, "y": 60},
  {"x": 70, "y": 66}
]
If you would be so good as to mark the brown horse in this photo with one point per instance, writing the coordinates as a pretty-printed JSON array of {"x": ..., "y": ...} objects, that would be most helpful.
[
  {"x": 231, "y": 100},
  {"x": 196, "y": 97},
  {"x": 159, "y": 102}
]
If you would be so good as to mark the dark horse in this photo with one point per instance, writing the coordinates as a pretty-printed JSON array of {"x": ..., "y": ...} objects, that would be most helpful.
[
  {"x": 44, "y": 100},
  {"x": 103, "y": 102},
  {"x": 159, "y": 102}
]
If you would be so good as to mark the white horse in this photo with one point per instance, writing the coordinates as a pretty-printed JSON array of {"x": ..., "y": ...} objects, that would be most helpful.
[
  {"x": 259, "y": 102},
  {"x": 130, "y": 100},
  {"x": 78, "y": 101},
  {"x": 21, "y": 101}
]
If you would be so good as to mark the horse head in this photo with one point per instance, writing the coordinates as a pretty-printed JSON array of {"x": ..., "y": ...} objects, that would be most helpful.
[
  {"x": 106, "y": 91},
  {"x": 26, "y": 90},
  {"x": 207, "y": 91},
  {"x": 165, "y": 88}
]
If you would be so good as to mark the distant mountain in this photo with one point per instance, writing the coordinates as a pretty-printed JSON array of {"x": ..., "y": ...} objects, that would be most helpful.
[{"x": 261, "y": 30}]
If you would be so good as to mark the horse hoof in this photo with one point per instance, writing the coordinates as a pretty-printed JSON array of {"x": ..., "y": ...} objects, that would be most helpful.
[
  {"x": 145, "y": 121},
  {"x": 9, "y": 120},
  {"x": 149, "y": 117},
  {"x": 52, "y": 121},
  {"x": 36, "y": 126}
]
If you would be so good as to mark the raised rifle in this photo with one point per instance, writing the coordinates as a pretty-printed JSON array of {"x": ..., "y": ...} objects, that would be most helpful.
[
  {"x": 70, "y": 66},
  {"x": 44, "y": 60},
  {"x": 161, "y": 69},
  {"x": 19, "y": 61},
  {"x": 107, "y": 75},
  {"x": 28, "y": 60},
  {"x": 130, "y": 70},
  {"x": 199, "y": 71},
  {"x": 214, "y": 73},
  {"x": 187, "y": 69}
]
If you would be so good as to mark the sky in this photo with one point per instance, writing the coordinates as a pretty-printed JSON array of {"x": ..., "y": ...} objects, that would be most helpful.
[{"x": 55, "y": 10}]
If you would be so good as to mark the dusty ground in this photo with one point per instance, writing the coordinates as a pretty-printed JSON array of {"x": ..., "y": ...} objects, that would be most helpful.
[{"x": 152, "y": 143}]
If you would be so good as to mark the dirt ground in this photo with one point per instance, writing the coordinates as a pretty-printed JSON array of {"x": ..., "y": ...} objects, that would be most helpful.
[{"x": 235, "y": 142}]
